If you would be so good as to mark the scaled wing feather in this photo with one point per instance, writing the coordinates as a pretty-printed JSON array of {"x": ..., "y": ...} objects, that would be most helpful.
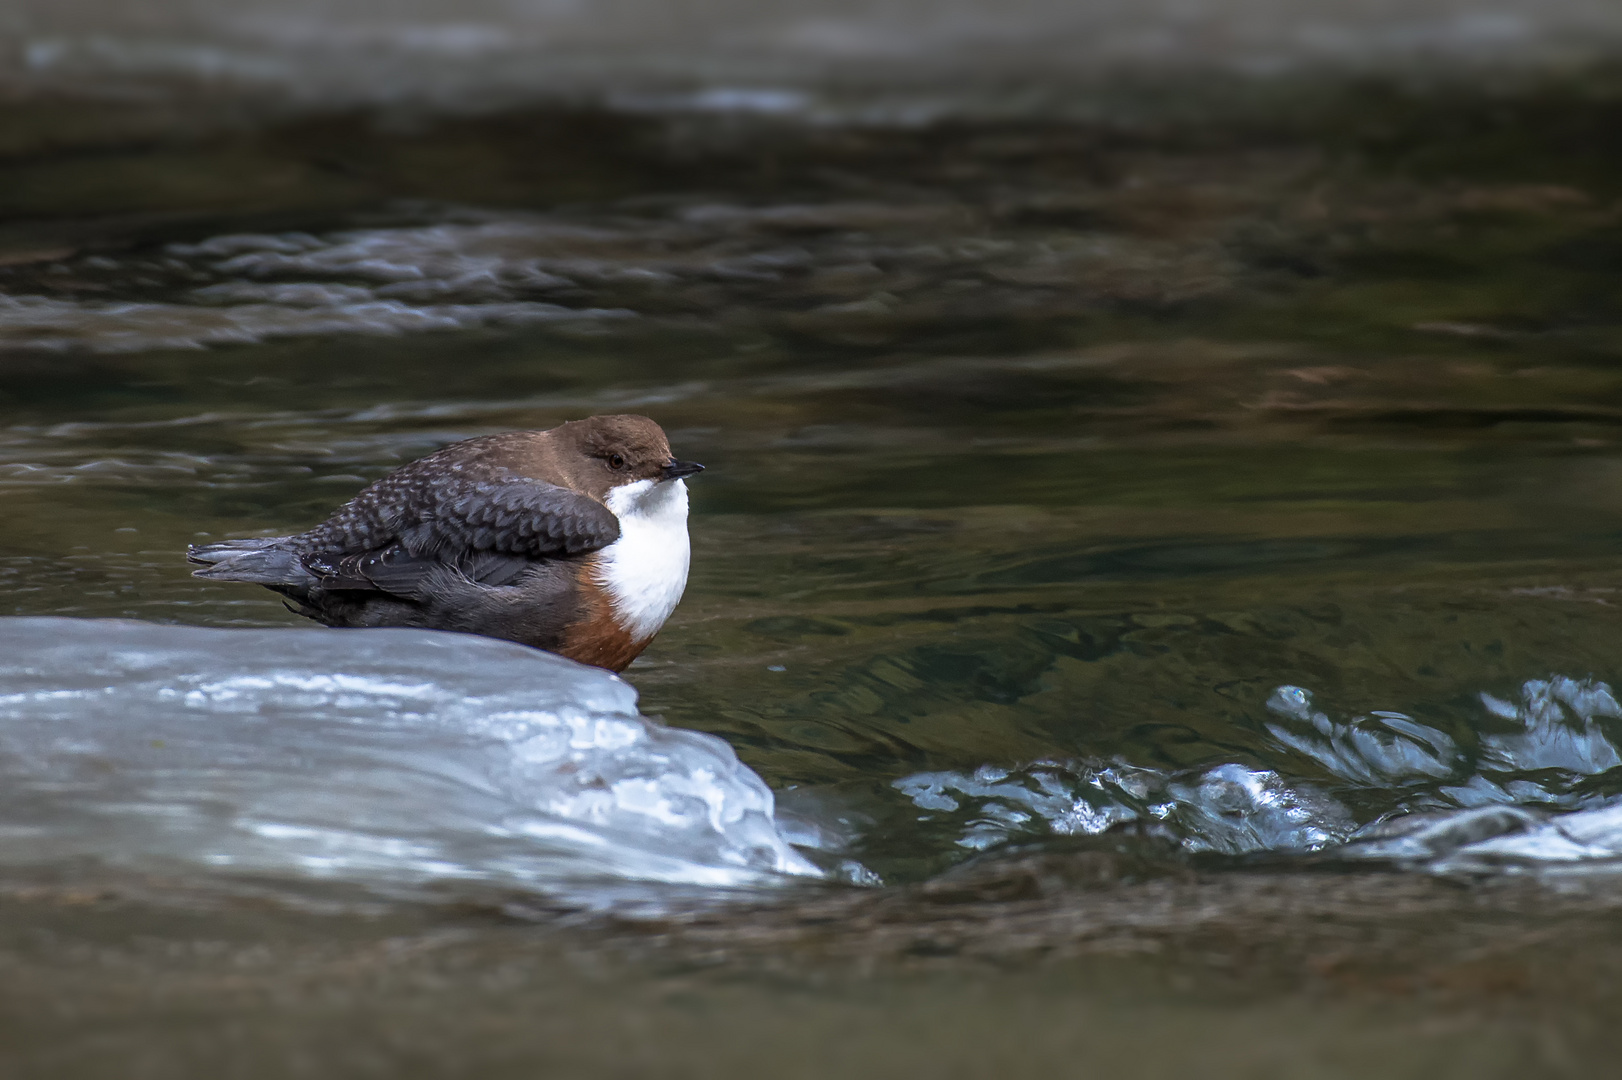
[{"x": 409, "y": 526}]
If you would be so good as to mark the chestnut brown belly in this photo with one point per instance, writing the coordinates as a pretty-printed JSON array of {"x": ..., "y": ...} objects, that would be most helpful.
[{"x": 595, "y": 637}]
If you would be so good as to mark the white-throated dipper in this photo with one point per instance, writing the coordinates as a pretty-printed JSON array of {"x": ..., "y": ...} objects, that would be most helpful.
[{"x": 572, "y": 540}]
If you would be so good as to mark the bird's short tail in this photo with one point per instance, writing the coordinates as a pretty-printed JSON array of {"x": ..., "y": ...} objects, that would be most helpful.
[{"x": 264, "y": 561}]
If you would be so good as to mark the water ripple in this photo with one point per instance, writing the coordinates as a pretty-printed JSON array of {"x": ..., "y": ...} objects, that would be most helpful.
[
  {"x": 1530, "y": 795},
  {"x": 819, "y": 267},
  {"x": 1230, "y": 809},
  {"x": 39, "y": 322}
]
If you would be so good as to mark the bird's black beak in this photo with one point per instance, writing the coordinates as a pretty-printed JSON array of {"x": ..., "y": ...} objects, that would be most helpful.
[{"x": 678, "y": 469}]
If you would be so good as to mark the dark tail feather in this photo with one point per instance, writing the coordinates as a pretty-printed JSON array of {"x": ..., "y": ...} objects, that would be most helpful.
[{"x": 262, "y": 562}]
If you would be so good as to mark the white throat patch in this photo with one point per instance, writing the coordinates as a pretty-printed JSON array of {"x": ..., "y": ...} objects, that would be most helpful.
[{"x": 645, "y": 570}]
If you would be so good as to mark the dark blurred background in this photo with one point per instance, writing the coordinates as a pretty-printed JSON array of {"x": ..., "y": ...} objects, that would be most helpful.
[{"x": 355, "y": 50}]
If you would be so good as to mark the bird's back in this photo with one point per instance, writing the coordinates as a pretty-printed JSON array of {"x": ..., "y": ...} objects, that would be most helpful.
[{"x": 510, "y": 536}]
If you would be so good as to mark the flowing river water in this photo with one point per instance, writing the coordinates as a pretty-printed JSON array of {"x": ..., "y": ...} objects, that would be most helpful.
[{"x": 1156, "y": 571}]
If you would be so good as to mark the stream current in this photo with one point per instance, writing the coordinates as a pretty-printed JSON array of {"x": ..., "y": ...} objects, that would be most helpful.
[{"x": 1203, "y": 495}]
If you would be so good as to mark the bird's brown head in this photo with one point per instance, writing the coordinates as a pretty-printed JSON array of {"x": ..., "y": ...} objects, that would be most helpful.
[{"x": 600, "y": 453}]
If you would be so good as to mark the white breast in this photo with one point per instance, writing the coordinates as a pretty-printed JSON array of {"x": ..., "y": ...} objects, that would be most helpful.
[{"x": 645, "y": 570}]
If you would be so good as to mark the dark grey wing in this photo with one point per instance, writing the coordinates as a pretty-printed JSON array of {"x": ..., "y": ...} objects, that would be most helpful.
[
  {"x": 396, "y": 571},
  {"x": 410, "y": 526}
]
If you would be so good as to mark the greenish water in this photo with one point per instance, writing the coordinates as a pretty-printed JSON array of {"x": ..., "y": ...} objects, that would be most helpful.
[{"x": 1027, "y": 442}]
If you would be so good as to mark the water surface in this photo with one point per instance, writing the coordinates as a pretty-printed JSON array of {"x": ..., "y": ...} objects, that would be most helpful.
[{"x": 1170, "y": 493}]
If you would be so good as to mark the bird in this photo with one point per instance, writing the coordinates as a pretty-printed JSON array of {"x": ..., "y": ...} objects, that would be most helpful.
[{"x": 572, "y": 540}]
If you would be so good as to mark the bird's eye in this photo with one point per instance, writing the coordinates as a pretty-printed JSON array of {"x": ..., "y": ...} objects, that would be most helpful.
[{"x": 615, "y": 461}]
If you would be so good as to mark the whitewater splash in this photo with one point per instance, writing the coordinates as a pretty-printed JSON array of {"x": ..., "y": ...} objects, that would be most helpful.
[
  {"x": 1529, "y": 788},
  {"x": 417, "y": 765},
  {"x": 398, "y": 761}
]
